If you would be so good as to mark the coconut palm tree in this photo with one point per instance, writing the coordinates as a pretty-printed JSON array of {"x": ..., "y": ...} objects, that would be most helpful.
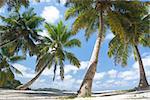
[
  {"x": 12, "y": 3},
  {"x": 136, "y": 28},
  {"x": 20, "y": 30},
  {"x": 7, "y": 70},
  {"x": 91, "y": 15},
  {"x": 54, "y": 52}
]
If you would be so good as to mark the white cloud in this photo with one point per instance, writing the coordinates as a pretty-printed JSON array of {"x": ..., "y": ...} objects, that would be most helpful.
[
  {"x": 112, "y": 73},
  {"x": 65, "y": 84},
  {"x": 69, "y": 82},
  {"x": 51, "y": 14},
  {"x": 109, "y": 35},
  {"x": 50, "y": 72},
  {"x": 35, "y": 1},
  {"x": 63, "y": 1},
  {"x": 121, "y": 83},
  {"x": 146, "y": 62},
  {"x": 27, "y": 72},
  {"x": 68, "y": 69},
  {"x": 40, "y": 83},
  {"x": 133, "y": 73},
  {"x": 79, "y": 82},
  {"x": 44, "y": 33},
  {"x": 123, "y": 79},
  {"x": 68, "y": 77},
  {"x": 111, "y": 79},
  {"x": 2, "y": 9},
  {"x": 84, "y": 65},
  {"x": 99, "y": 76},
  {"x": 128, "y": 75}
]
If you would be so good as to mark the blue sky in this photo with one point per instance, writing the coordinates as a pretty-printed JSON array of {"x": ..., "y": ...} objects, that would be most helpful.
[{"x": 108, "y": 76}]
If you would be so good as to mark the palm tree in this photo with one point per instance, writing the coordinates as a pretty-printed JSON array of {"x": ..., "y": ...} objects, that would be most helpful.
[
  {"x": 7, "y": 70},
  {"x": 12, "y": 3},
  {"x": 20, "y": 30},
  {"x": 136, "y": 28},
  {"x": 91, "y": 15},
  {"x": 54, "y": 52}
]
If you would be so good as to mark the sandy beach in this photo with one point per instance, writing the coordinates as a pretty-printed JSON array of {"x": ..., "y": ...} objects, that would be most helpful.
[{"x": 46, "y": 95}]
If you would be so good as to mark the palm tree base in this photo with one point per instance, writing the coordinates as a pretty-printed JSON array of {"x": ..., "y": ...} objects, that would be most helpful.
[
  {"x": 21, "y": 87},
  {"x": 142, "y": 88},
  {"x": 84, "y": 91},
  {"x": 143, "y": 84}
]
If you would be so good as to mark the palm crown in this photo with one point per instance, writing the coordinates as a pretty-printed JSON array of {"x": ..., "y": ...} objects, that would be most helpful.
[
  {"x": 20, "y": 30},
  {"x": 136, "y": 32},
  {"x": 54, "y": 49}
]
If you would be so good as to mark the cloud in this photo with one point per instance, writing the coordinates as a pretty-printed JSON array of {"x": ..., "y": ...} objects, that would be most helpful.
[
  {"x": 107, "y": 80},
  {"x": 40, "y": 83},
  {"x": 63, "y": 2},
  {"x": 109, "y": 35},
  {"x": 44, "y": 33},
  {"x": 79, "y": 81},
  {"x": 112, "y": 73},
  {"x": 2, "y": 9},
  {"x": 51, "y": 14},
  {"x": 133, "y": 73},
  {"x": 68, "y": 77},
  {"x": 41, "y": 1},
  {"x": 68, "y": 69},
  {"x": 99, "y": 76},
  {"x": 126, "y": 79},
  {"x": 45, "y": 80},
  {"x": 128, "y": 75},
  {"x": 27, "y": 72}
]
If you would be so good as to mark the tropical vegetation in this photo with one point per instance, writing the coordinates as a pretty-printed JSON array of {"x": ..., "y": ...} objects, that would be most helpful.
[
  {"x": 19, "y": 32},
  {"x": 96, "y": 16},
  {"x": 7, "y": 69},
  {"x": 136, "y": 32},
  {"x": 53, "y": 51}
]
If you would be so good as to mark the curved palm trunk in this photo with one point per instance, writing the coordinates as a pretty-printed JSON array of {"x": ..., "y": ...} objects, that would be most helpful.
[
  {"x": 143, "y": 84},
  {"x": 25, "y": 86},
  {"x": 85, "y": 88}
]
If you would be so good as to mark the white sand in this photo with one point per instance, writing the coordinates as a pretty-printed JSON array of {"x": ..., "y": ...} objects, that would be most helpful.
[{"x": 43, "y": 95}]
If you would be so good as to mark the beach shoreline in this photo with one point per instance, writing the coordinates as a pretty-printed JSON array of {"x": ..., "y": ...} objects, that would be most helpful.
[{"x": 6, "y": 94}]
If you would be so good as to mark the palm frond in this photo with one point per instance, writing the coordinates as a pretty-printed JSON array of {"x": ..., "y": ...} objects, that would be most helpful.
[
  {"x": 14, "y": 59},
  {"x": 73, "y": 60},
  {"x": 43, "y": 60},
  {"x": 72, "y": 43}
]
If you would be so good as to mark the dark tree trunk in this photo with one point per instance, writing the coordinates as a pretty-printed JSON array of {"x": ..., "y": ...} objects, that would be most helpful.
[
  {"x": 143, "y": 84},
  {"x": 85, "y": 88}
]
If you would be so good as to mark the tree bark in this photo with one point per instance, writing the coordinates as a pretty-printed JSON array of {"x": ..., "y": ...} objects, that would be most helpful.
[
  {"x": 26, "y": 85},
  {"x": 143, "y": 84},
  {"x": 85, "y": 88}
]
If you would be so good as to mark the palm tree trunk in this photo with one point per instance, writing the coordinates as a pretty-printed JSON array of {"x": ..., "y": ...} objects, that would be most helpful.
[
  {"x": 85, "y": 88},
  {"x": 25, "y": 86},
  {"x": 2, "y": 3},
  {"x": 143, "y": 84}
]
